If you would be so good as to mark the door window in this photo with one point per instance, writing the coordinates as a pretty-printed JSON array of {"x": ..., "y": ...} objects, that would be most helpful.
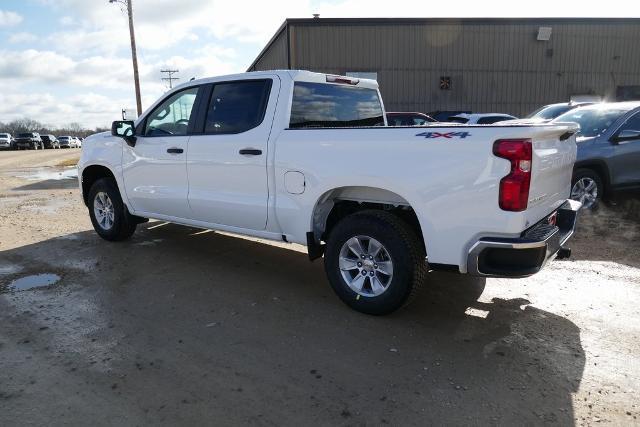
[
  {"x": 236, "y": 107},
  {"x": 632, "y": 124},
  {"x": 172, "y": 117}
]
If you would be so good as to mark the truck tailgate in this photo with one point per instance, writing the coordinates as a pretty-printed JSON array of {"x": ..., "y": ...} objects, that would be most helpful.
[{"x": 554, "y": 152}]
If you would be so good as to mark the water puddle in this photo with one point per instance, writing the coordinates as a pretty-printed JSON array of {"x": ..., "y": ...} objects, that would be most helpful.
[
  {"x": 50, "y": 173},
  {"x": 33, "y": 281}
]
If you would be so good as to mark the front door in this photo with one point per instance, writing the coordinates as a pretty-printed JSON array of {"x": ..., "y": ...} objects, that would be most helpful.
[
  {"x": 625, "y": 160},
  {"x": 227, "y": 163},
  {"x": 155, "y": 169}
]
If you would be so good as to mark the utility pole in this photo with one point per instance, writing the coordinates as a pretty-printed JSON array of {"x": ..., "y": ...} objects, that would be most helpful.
[
  {"x": 170, "y": 79},
  {"x": 134, "y": 55}
]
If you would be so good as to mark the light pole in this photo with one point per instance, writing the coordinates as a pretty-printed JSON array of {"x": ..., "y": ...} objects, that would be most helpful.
[{"x": 134, "y": 55}]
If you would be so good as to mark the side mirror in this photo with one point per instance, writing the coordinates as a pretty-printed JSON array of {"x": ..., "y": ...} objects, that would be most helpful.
[
  {"x": 626, "y": 135},
  {"x": 125, "y": 129}
]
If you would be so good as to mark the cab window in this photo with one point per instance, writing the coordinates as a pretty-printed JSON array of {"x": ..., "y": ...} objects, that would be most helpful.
[
  {"x": 238, "y": 106},
  {"x": 173, "y": 116},
  {"x": 330, "y": 105}
]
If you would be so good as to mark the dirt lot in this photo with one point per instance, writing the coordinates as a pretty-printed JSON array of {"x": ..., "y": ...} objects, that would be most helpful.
[{"x": 180, "y": 326}]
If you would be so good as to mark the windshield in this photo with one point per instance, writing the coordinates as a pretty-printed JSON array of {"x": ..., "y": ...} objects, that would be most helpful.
[
  {"x": 550, "y": 112},
  {"x": 592, "y": 121},
  {"x": 25, "y": 135}
]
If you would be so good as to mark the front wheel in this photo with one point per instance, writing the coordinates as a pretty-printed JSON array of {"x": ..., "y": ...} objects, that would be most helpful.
[
  {"x": 587, "y": 188},
  {"x": 374, "y": 262},
  {"x": 109, "y": 216}
]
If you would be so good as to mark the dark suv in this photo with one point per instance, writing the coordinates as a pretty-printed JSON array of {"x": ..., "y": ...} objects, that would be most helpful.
[
  {"x": 608, "y": 150},
  {"x": 29, "y": 140},
  {"x": 50, "y": 141}
]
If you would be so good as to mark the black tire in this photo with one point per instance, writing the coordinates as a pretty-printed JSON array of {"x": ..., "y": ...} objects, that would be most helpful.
[
  {"x": 403, "y": 247},
  {"x": 124, "y": 224},
  {"x": 581, "y": 173}
]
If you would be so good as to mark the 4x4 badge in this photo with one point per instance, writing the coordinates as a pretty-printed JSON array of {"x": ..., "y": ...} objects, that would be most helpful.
[{"x": 447, "y": 135}]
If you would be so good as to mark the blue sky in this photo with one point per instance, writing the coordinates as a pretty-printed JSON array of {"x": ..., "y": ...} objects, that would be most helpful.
[{"x": 65, "y": 61}]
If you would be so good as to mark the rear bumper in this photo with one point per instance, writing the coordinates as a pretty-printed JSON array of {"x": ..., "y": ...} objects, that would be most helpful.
[{"x": 527, "y": 254}]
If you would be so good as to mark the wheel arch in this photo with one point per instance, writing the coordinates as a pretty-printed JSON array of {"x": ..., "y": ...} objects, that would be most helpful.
[
  {"x": 92, "y": 173},
  {"x": 600, "y": 167},
  {"x": 337, "y": 203}
]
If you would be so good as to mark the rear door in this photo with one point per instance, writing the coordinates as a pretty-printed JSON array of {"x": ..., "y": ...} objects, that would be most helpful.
[
  {"x": 227, "y": 157},
  {"x": 624, "y": 163},
  {"x": 155, "y": 169}
]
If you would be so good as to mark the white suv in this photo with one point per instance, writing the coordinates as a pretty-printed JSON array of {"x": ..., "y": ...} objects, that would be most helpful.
[{"x": 6, "y": 140}]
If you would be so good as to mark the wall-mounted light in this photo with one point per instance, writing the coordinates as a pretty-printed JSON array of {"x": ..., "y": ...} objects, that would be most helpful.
[{"x": 544, "y": 33}]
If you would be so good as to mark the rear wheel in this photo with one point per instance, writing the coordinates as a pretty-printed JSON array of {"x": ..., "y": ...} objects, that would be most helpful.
[
  {"x": 587, "y": 188},
  {"x": 109, "y": 216},
  {"x": 374, "y": 262}
]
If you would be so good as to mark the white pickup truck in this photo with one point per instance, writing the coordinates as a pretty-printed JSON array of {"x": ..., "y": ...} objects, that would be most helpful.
[{"x": 304, "y": 157}]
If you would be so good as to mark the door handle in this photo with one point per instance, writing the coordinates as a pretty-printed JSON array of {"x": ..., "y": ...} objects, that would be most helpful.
[
  {"x": 251, "y": 151},
  {"x": 175, "y": 150}
]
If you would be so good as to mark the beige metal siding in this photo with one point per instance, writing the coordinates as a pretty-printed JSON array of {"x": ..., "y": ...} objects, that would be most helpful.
[
  {"x": 495, "y": 66},
  {"x": 275, "y": 57}
]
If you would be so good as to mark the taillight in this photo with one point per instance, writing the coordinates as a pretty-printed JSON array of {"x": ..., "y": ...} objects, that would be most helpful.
[{"x": 514, "y": 188}]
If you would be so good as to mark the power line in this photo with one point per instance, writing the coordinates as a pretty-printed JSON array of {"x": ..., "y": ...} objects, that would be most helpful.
[{"x": 170, "y": 77}]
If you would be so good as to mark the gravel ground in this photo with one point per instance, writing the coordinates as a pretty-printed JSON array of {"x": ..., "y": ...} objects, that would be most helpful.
[{"x": 182, "y": 327}]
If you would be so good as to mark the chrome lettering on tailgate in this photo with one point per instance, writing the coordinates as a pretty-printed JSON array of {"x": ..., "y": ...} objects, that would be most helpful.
[
  {"x": 538, "y": 199},
  {"x": 560, "y": 160}
]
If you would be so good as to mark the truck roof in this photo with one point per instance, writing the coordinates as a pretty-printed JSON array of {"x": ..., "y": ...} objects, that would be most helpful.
[{"x": 292, "y": 75}]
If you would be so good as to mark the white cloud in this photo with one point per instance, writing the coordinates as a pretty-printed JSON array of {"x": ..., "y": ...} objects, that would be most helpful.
[
  {"x": 66, "y": 21},
  {"x": 22, "y": 37},
  {"x": 113, "y": 76},
  {"x": 89, "y": 109},
  {"x": 163, "y": 23},
  {"x": 9, "y": 19}
]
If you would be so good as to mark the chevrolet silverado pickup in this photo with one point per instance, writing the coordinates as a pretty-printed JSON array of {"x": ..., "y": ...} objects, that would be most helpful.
[{"x": 307, "y": 158}]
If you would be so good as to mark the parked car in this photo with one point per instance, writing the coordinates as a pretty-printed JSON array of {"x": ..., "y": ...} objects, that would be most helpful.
[
  {"x": 408, "y": 119},
  {"x": 551, "y": 111},
  {"x": 608, "y": 157},
  {"x": 443, "y": 116},
  {"x": 6, "y": 141},
  {"x": 198, "y": 157},
  {"x": 29, "y": 140},
  {"x": 67, "y": 142},
  {"x": 50, "y": 141},
  {"x": 480, "y": 119},
  {"x": 79, "y": 142}
]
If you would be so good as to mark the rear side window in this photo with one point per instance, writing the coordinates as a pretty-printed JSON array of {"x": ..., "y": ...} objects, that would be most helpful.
[
  {"x": 458, "y": 120},
  {"x": 237, "y": 106},
  {"x": 328, "y": 105}
]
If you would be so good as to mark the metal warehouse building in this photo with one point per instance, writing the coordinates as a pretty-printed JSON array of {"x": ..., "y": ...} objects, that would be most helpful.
[{"x": 483, "y": 65}]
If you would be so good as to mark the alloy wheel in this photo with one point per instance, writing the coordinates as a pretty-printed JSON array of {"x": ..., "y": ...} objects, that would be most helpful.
[
  {"x": 585, "y": 190},
  {"x": 366, "y": 266},
  {"x": 103, "y": 210}
]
